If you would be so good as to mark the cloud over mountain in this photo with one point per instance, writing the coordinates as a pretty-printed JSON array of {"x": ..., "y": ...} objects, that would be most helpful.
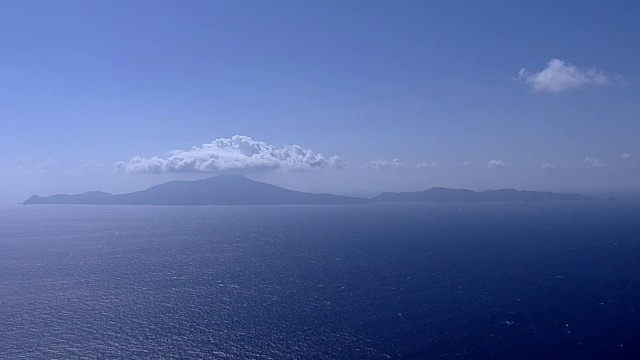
[
  {"x": 559, "y": 76},
  {"x": 237, "y": 153}
]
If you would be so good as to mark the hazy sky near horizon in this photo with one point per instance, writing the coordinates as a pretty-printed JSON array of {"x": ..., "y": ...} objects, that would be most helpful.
[{"x": 349, "y": 97}]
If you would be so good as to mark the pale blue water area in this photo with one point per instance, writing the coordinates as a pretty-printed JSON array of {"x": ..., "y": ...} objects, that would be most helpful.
[{"x": 505, "y": 280}]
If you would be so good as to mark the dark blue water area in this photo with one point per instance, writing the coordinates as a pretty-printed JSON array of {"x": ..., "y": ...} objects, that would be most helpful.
[{"x": 406, "y": 281}]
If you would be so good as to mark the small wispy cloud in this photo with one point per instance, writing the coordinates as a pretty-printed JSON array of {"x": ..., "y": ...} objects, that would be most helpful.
[
  {"x": 387, "y": 164},
  {"x": 47, "y": 165},
  {"x": 399, "y": 164},
  {"x": 548, "y": 167},
  {"x": 594, "y": 162},
  {"x": 92, "y": 166},
  {"x": 559, "y": 76},
  {"x": 426, "y": 165},
  {"x": 237, "y": 153},
  {"x": 626, "y": 157},
  {"x": 495, "y": 164}
]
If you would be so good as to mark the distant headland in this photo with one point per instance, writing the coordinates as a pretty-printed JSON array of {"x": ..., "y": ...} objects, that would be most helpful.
[{"x": 240, "y": 190}]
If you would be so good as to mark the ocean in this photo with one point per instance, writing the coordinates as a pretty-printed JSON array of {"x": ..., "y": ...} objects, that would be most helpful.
[{"x": 556, "y": 280}]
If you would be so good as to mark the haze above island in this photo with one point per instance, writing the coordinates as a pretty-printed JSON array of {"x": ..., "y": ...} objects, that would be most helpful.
[{"x": 340, "y": 97}]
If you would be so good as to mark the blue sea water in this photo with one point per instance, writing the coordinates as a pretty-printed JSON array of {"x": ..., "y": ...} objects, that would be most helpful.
[{"x": 406, "y": 281}]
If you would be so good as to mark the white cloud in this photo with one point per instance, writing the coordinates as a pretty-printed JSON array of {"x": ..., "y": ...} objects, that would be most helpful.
[
  {"x": 47, "y": 165},
  {"x": 426, "y": 165},
  {"x": 560, "y": 76},
  {"x": 548, "y": 167},
  {"x": 237, "y": 153},
  {"x": 387, "y": 164},
  {"x": 626, "y": 157},
  {"x": 594, "y": 162},
  {"x": 494, "y": 164}
]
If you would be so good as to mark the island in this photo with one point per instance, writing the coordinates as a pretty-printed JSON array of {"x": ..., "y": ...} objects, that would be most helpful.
[
  {"x": 219, "y": 190},
  {"x": 439, "y": 194},
  {"x": 240, "y": 190}
]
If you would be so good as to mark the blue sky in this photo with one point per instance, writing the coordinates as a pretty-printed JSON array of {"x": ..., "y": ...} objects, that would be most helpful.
[{"x": 85, "y": 87}]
